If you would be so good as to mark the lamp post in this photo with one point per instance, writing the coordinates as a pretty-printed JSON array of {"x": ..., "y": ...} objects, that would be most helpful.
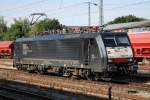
[
  {"x": 89, "y": 13},
  {"x": 100, "y": 6},
  {"x": 101, "y": 17}
]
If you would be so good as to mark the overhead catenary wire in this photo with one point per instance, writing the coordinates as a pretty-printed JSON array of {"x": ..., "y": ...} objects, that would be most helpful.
[
  {"x": 130, "y": 5},
  {"x": 59, "y": 9},
  {"x": 23, "y": 6},
  {"x": 70, "y": 6},
  {"x": 63, "y": 8},
  {"x": 124, "y": 6}
]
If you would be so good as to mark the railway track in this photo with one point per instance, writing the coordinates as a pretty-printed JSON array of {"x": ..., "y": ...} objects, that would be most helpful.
[
  {"x": 139, "y": 86},
  {"x": 81, "y": 86},
  {"x": 16, "y": 94}
]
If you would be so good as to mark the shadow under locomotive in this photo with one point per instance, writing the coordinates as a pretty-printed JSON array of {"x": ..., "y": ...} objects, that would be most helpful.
[
  {"x": 38, "y": 91},
  {"x": 140, "y": 78}
]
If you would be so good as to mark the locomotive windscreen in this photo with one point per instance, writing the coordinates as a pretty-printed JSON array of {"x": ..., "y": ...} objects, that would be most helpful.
[{"x": 111, "y": 41}]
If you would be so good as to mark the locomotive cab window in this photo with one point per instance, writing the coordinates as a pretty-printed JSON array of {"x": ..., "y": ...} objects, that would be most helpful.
[
  {"x": 122, "y": 41},
  {"x": 109, "y": 41}
]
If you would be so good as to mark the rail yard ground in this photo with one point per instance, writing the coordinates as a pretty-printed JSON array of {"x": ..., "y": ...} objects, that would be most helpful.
[{"x": 23, "y": 84}]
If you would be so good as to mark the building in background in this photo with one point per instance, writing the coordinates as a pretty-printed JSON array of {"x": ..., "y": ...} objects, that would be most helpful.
[
  {"x": 122, "y": 27},
  {"x": 81, "y": 29},
  {"x": 129, "y": 27}
]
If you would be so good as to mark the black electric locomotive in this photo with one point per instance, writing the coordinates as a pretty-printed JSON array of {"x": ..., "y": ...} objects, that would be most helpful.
[{"x": 88, "y": 55}]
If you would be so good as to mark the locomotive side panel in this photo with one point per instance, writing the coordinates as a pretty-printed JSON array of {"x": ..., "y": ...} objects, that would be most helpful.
[
  {"x": 53, "y": 53},
  {"x": 82, "y": 53}
]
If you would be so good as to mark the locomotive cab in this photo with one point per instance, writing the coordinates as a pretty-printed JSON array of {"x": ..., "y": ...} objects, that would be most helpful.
[{"x": 119, "y": 54}]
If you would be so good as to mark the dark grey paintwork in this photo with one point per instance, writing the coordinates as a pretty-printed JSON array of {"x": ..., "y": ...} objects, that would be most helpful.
[{"x": 85, "y": 50}]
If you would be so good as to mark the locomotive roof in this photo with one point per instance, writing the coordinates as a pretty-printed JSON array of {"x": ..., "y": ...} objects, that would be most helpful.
[{"x": 63, "y": 36}]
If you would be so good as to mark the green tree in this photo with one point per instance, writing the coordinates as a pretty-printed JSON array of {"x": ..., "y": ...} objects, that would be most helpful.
[
  {"x": 46, "y": 25},
  {"x": 3, "y": 26},
  {"x": 20, "y": 28},
  {"x": 126, "y": 19}
]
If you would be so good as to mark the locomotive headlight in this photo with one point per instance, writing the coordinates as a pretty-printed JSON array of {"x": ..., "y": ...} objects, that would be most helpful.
[
  {"x": 130, "y": 59},
  {"x": 109, "y": 60}
]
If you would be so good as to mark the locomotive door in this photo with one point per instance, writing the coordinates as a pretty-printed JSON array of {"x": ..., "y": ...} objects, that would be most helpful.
[
  {"x": 90, "y": 54},
  {"x": 85, "y": 52},
  {"x": 17, "y": 54},
  {"x": 94, "y": 55}
]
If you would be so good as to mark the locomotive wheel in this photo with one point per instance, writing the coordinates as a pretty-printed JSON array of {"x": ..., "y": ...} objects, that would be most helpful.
[
  {"x": 18, "y": 68},
  {"x": 31, "y": 71},
  {"x": 96, "y": 77},
  {"x": 89, "y": 77},
  {"x": 41, "y": 71},
  {"x": 67, "y": 74}
]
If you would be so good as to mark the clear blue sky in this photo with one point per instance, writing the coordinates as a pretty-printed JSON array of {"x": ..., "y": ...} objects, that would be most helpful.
[{"x": 73, "y": 12}]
